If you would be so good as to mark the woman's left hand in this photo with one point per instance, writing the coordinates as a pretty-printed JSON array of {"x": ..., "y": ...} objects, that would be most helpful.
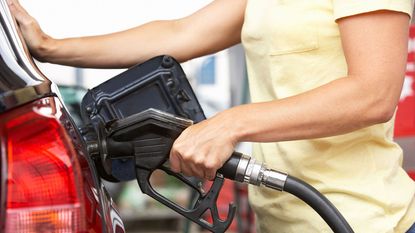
[{"x": 203, "y": 148}]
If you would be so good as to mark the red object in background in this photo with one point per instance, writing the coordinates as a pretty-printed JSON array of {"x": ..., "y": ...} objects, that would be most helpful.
[
  {"x": 412, "y": 174},
  {"x": 405, "y": 116}
]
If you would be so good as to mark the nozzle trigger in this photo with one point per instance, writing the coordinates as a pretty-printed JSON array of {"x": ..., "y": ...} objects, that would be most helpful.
[{"x": 204, "y": 204}]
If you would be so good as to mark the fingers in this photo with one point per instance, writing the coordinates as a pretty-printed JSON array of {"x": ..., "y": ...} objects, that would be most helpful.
[
  {"x": 36, "y": 40},
  {"x": 201, "y": 149},
  {"x": 210, "y": 174},
  {"x": 15, "y": 4},
  {"x": 185, "y": 165},
  {"x": 198, "y": 165},
  {"x": 20, "y": 13},
  {"x": 175, "y": 162}
]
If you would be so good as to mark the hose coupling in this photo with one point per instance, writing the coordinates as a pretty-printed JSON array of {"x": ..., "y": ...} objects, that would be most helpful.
[{"x": 256, "y": 173}]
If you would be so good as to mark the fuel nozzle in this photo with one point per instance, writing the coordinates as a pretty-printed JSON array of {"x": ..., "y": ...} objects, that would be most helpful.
[{"x": 244, "y": 169}]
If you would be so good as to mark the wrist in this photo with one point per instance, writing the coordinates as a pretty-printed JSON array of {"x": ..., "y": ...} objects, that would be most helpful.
[
  {"x": 238, "y": 124},
  {"x": 46, "y": 49}
]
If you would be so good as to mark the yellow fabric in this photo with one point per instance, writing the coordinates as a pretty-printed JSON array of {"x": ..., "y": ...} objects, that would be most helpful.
[{"x": 293, "y": 46}]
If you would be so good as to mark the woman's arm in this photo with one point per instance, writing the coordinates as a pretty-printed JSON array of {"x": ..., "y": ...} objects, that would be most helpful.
[
  {"x": 211, "y": 29},
  {"x": 375, "y": 46}
]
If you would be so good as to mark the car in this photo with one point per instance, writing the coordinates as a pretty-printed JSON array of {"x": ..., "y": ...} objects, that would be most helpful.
[{"x": 48, "y": 181}]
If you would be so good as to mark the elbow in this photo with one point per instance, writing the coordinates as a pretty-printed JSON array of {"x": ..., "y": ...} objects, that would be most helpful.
[
  {"x": 379, "y": 99},
  {"x": 384, "y": 115},
  {"x": 382, "y": 112}
]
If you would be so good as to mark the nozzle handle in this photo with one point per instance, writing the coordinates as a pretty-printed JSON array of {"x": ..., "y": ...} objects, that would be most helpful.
[{"x": 230, "y": 169}]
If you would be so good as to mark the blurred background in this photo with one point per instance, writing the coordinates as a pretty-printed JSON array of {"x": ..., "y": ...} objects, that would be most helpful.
[{"x": 219, "y": 81}]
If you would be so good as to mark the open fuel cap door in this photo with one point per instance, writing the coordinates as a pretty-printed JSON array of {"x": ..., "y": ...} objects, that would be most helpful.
[{"x": 158, "y": 83}]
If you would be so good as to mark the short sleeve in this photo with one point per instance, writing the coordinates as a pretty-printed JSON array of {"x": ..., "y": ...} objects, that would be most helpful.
[{"x": 344, "y": 8}]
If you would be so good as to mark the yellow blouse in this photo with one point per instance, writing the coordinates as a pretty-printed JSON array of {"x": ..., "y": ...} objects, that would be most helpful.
[{"x": 293, "y": 46}]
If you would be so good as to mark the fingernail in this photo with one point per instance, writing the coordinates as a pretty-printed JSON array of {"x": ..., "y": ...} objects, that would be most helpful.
[{"x": 175, "y": 170}]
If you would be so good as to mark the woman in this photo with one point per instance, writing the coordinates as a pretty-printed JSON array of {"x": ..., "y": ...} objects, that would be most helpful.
[{"x": 325, "y": 78}]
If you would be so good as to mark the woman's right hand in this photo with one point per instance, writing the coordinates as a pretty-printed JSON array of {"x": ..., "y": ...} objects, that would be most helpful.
[{"x": 37, "y": 41}]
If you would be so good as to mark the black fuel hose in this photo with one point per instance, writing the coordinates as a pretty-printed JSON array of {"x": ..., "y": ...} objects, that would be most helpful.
[
  {"x": 319, "y": 203},
  {"x": 244, "y": 169}
]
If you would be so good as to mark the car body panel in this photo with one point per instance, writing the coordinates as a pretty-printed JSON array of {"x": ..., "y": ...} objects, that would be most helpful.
[{"x": 22, "y": 83}]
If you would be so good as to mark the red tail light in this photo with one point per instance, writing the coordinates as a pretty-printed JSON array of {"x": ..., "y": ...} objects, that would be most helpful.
[{"x": 43, "y": 184}]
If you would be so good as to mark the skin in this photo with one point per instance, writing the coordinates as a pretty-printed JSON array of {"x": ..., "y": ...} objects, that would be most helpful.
[
  {"x": 374, "y": 44},
  {"x": 183, "y": 38}
]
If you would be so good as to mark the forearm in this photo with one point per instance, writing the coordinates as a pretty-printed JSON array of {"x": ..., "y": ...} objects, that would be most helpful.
[
  {"x": 339, "y": 107},
  {"x": 116, "y": 50},
  {"x": 211, "y": 29}
]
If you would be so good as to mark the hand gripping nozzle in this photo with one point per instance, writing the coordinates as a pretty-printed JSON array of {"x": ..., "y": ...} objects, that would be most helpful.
[{"x": 148, "y": 136}]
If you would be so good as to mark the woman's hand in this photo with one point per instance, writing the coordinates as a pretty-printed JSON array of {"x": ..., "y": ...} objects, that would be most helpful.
[
  {"x": 35, "y": 38},
  {"x": 203, "y": 148}
]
